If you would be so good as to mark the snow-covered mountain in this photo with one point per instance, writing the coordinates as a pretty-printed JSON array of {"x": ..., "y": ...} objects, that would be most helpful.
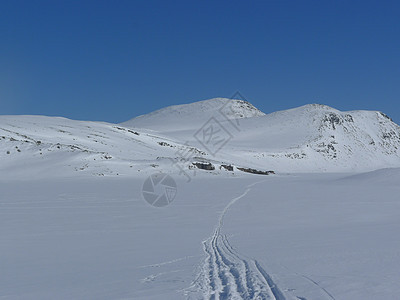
[
  {"x": 318, "y": 137},
  {"x": 310, "y": 138},
  {"x": 67, "y": 231},
  {"x": 193, "y": 115}
]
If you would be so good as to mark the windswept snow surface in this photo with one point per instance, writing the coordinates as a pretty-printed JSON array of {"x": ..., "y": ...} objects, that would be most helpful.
[
  {"x": 316, "y": 236},
  {"x": 74, "y": 223}
]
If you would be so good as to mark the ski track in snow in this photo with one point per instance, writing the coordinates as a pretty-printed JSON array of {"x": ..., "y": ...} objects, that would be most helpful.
[
  {"x": 316, "y": 284},
  {"x": 227, "y": 275}
]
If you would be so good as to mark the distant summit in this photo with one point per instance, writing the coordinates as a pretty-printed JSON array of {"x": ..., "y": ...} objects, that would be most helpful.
[
  {"x": 309, "y": 138},
  {"x": 193, "y": 114}
]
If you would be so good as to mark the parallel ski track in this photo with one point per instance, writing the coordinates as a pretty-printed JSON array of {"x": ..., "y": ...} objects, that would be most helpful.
[{"x": 227, "y": 275}]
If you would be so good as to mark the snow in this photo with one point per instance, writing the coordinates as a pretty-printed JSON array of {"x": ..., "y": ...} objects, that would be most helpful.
[
  {"x": 74, "y": 224},
  {"x": 193, "y": 115},
  {"x": 45, "y": 144},
  {"x": 311, "y": 138},
  {"x": 312, "y": 235}
]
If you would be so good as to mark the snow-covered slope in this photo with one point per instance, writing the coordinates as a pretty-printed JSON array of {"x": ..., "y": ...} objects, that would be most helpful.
[
  {"x": 311, "y": 138},
  {"x": 318, "y": 137},
  {"x": 191, "y": 116},
  {"x": 36, "y": 145},
  {"x": 231, "y": 236},
  {"x": 305, "y": 139}
]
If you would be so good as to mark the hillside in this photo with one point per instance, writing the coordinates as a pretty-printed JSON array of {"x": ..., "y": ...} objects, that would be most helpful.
[
  {"x": 219, "y": 135},
  {"x": 311, "y": 138}
]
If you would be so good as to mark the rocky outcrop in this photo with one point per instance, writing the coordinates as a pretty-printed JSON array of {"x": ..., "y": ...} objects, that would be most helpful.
[
  {"x": 204, "y": 166},
  {"x": 254, "y": 171},
  {"x": 226, "y": 167}
]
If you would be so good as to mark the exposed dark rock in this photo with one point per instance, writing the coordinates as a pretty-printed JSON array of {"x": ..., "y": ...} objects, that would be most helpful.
[
  {"x": 349, "y": 118},
  {"x": 204, "y": 166},
  {"x": 124, "y": 129},
  {"x": 165, "y": 144},
  {"x": 254, "y": 171},
  {"x": 386, "y": 116},
  {"x": 134, "y": 132},
  {"x": 296, "y": 155},
  {"x": 226, "y": 167},
  {"x": 332, "y": 119},
  {"x": 389, "y": 135}
]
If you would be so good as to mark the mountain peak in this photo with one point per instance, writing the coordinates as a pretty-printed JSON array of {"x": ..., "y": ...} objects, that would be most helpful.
[
  {"x": 195, "y": 114},
  {"x": 317, "y": 106}
]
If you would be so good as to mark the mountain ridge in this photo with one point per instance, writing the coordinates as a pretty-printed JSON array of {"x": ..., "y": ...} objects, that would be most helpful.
[
  {"x": 195, "y": 113},
  {"x": 309, "y": 138}
]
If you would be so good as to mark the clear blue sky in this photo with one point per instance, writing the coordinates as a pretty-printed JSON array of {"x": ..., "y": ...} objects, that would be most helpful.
[{"x": 113, "y": 60}]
